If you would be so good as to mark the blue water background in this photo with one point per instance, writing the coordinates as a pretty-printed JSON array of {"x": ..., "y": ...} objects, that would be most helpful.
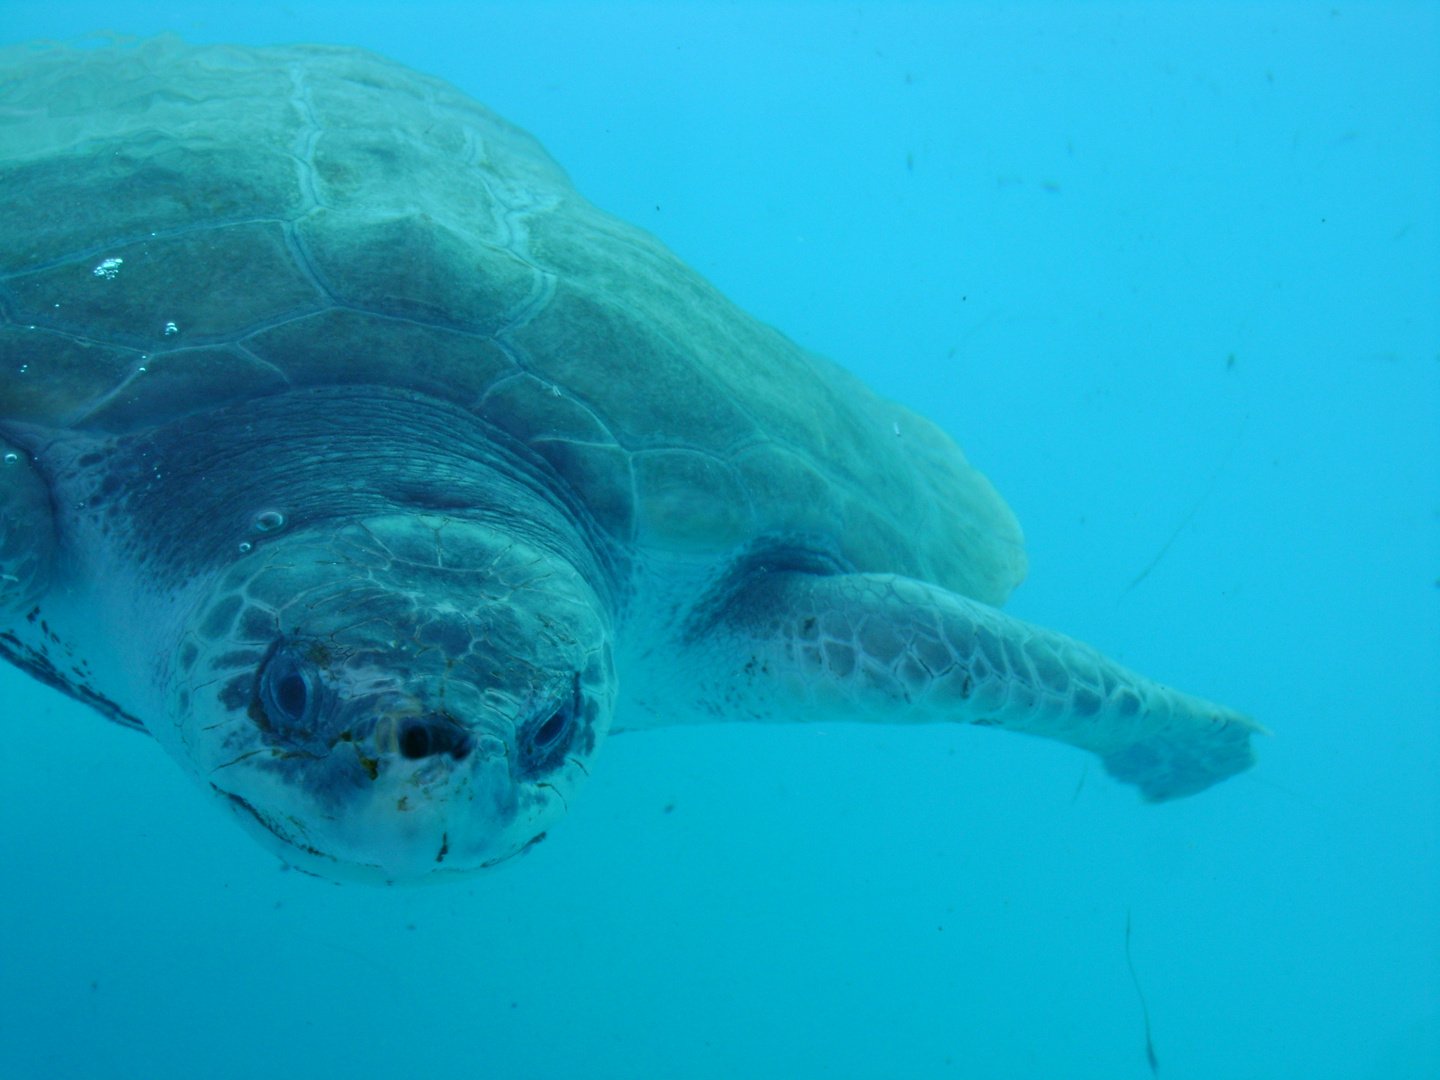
[{"x": 1171, "y": 275}]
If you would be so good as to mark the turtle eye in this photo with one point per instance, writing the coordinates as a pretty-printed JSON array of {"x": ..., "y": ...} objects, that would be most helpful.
[
  {"x": 545, "y": 740},
  {"x": 542, "y": 745},
  {"x": 291, "y": 695},
  {"x": 548, "y": 733},
  {"x": 288, "y": 695}
]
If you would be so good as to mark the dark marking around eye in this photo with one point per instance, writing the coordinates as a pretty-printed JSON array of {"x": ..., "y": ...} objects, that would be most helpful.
[
  {"x": 220, "y": 618},
  {"x": 235, "y": 694},
  {"x": 257, "y": 625},
  {"x": 236, "y": 658}
]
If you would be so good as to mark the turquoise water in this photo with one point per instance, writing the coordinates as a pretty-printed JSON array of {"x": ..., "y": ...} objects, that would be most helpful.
[{"x": 1171, "y": 275}]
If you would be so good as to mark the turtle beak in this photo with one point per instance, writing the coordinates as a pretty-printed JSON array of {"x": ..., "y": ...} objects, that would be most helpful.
[{"x": 419, "y": 797}]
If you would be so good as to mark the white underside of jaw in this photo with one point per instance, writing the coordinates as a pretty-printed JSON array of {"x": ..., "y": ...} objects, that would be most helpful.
[{"x": 402, "y": 827}]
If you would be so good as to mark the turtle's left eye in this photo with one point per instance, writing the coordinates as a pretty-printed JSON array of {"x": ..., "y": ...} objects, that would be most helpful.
[
  {"x": 548, "y": 733},
  {"x": 545, "y": 740},
  {"x": 543, "y": 743}
]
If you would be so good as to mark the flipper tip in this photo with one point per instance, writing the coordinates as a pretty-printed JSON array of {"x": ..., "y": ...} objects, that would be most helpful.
[{"x": 1175, "y": 764}]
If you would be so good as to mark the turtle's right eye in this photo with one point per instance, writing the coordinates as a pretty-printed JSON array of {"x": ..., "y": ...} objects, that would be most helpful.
[
  {"x": 291, "y": 695},
  {"x": 288, "y": 694}
]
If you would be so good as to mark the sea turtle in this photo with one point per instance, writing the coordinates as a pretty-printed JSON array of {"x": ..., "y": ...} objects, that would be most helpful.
[{"x": 377, "y": 475}]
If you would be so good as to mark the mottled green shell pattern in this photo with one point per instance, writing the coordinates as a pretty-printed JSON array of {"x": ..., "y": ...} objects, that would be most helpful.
[{"x": 187, "y": 227}]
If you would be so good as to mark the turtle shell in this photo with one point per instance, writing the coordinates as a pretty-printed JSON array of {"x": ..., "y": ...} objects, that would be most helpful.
[{"x": 190, "y": 226}]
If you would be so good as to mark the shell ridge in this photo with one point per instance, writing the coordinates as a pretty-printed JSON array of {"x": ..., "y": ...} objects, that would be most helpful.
[
  {"x": 559, "y": 391},
  {"x": 97, "y": 405},
  {"x": 82, "y": 255},
  {"x": 303, "y": 151},
  {"x": 80, "y": 413},
  {"x": 758, "y": 436},
  {"x": 241, "y": 347}
]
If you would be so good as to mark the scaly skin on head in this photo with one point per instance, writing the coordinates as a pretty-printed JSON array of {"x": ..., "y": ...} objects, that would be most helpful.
[
  {"x": 368, "y": 623},
  {"x": 401, "y": 699}
]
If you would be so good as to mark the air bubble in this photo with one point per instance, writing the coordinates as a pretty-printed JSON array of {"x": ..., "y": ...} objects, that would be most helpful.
[
  {"x": 171, "y": 328},
  {"x": 269, "y": 520},
  {"x": 245, "y": 546},
  {"x": 11, "y": 458},
  {"x": 107, "y": 269}
]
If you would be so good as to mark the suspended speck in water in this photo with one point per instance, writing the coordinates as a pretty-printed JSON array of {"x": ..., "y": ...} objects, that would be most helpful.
[
  {"x": 897, "y": 429},
  {"x": 269, "y": 520},
  {"x": 555, "y": 389},
  {"x": 24, "y": 368},
  {"x": 245, "y": 546},
  {"x": 107, "y": 269},
  {"x": 11, "y": 458},
  {"x": 171, "y": 328}
]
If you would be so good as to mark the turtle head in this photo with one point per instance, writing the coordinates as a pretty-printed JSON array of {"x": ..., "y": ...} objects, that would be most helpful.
[{"x": 400, "y": 700}]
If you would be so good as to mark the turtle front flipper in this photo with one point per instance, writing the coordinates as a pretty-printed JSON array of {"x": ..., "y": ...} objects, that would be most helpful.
[
  {"x": 27, "y": 530},
  {"x": 886, "y": 648}
]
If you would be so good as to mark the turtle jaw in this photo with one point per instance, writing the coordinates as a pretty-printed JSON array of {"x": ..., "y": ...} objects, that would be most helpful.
[
  {"x": 394, "y": 793},
  {"x": 412, "y": 823}
]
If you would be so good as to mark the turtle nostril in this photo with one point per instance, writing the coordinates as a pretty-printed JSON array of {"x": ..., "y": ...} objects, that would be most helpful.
[
  {"x": 415, "y": 741},
  {"x": 422, "y": 738}
]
